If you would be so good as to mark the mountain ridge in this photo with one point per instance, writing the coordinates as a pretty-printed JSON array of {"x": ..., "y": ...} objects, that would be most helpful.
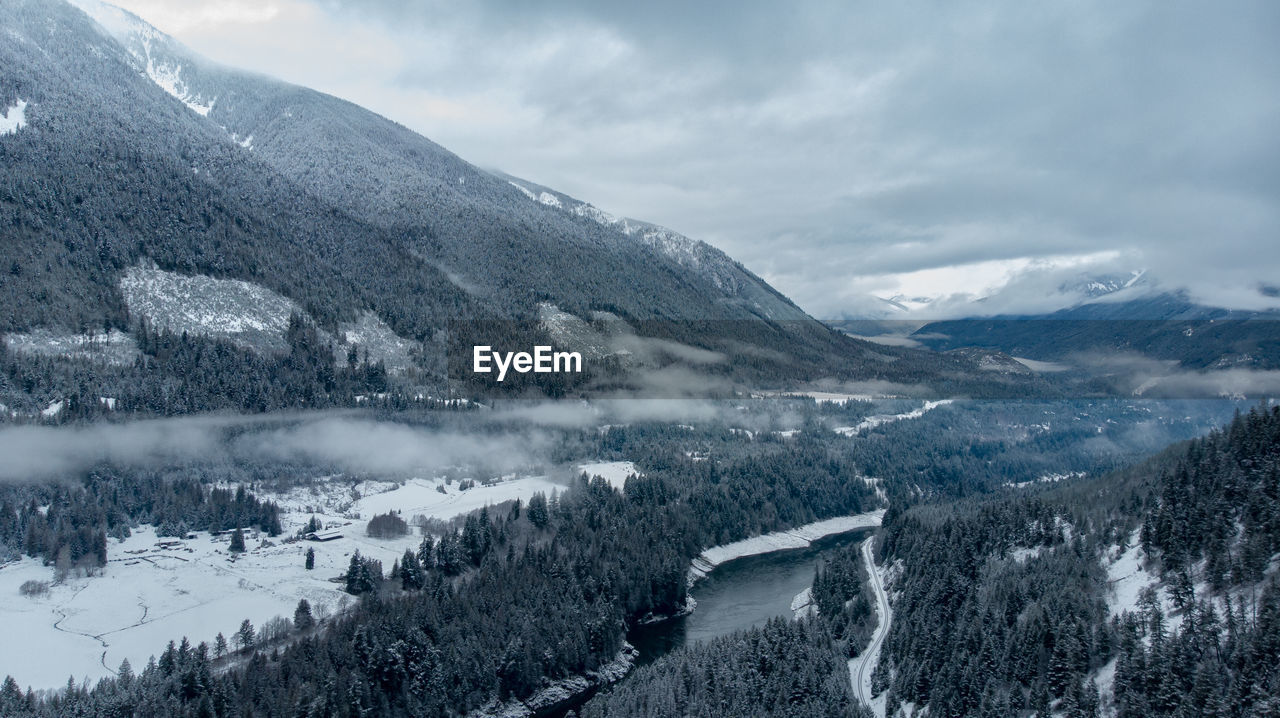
[{"x": 139, "y": 158}]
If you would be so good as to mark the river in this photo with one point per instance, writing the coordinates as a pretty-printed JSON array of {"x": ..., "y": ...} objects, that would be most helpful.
[{"x": 737, "y": 595}]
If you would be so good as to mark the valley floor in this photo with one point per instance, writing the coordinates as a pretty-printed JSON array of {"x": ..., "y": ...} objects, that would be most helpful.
[{"x": 156, "y": 589}]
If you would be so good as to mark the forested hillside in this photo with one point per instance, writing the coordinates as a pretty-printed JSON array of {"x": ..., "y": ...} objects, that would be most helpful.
[
  {"x": 1166, "y": 326},
  {"x": 785, "y": 669},
  {"x": 1147, "y": 592}
]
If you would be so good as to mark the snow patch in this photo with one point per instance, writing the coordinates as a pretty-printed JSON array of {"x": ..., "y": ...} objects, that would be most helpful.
[
  {"x": 800, "y": 537},
  {"x": 525, "y": 190},
  {"x": 1106, "y": 681},
  {"x": 142, "y": 41},
  {"x": 872, "y": 422},
  {"x": 615, "y": 472},
  {"x": 1023, "y": 555},
  {"x": 371, "y": 334},
  {"x": 169, "y": 78},
  {"x": 1049, "y": 479},
  {"x": 439, "y": 500},
  {"x": 13, "y": 118},
  {"x": 113, "y": 347},
  {"x": 802, "y": 605},
  {"x": 1128, "y": 578},
  {"x": 549, "y": 199},
  {"x": 54, "y": 408},
  {"x": 595, "y": 214},
  {"x": 827, "y": 397},
  {"x": 246, "y": 313},
  {"x": 1040, "y": 367}
]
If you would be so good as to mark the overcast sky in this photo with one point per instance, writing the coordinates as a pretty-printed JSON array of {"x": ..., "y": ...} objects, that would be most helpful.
[{"x": 838, "y": 149}]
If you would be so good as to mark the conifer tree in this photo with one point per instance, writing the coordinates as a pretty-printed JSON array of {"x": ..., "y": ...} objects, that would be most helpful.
[
  {"x": 302, "y": 618},
  {"x": 237, "y": 541},
  {"x": 246, "y": 636}
]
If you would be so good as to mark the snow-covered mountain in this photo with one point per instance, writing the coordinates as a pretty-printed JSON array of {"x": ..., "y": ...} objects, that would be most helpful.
[
  {"x": 344, "y": 146},
  {"x": 1032, "y": 292},
  {"x": 697, "y": 256},
  {"x": 147, "y": 182}
]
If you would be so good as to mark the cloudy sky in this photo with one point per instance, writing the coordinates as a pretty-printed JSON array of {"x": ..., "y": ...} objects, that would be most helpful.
[{"x": 839, "y": 149}]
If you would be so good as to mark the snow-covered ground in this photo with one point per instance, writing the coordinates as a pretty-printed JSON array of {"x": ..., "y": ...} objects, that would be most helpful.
[
  {"x": 802, "y": 604},
  {"x": 13, "y": 118},
  {"x": 872, "y": 422},
  {"x": 113, "y": 347},
  {"x": 827, "y": 397},
  {"x": 149, "y": 594},
  {"x": 1049, "y": 479},
  {"x": 615, "y": 472},
  {"x": 1105, "y": 677},
  {"x": 1041, "y": 367},
  {"x": 1128, "y": 578},
  {"x": 243, "y": 312},
  {"x": 371, "y": 334},
  {"x": 800, "y": 537},
  {"x": 148, "y": 47},
  {"x": 1023, "y": 555},
  {"x": 423, "y": 497}
]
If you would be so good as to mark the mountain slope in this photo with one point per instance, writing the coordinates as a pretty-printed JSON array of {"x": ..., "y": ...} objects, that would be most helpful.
[
  {"x": 476, "y": 228},
  {"x": 135, "y": 166},
  {"x": 722, "y": 271},
  {"x": 109, "y": 170},
  {"x": 1149, "y": 591},
  {"x": 1166, "y": 326}
]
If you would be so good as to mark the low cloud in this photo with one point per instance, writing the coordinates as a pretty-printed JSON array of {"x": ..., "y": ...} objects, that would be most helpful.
[
  {"x": 1137, "y": 375},
  {"x": 32, "y": 452},
  {"x": 392, "y": 448},
  {"x": 342, "y": 442}
]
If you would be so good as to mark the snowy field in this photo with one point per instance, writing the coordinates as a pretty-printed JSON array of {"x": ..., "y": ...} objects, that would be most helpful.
[
  {"x": 615, "y": 472},
  {"x": 154, "y": 590},
  {"x": 149, "y": 594}
]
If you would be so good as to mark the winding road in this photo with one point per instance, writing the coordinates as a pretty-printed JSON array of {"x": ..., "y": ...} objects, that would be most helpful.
[{"x": 860, "y": 667}]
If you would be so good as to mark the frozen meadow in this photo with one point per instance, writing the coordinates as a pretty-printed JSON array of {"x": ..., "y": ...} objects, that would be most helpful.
[{"x": 156, "y": 589}]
